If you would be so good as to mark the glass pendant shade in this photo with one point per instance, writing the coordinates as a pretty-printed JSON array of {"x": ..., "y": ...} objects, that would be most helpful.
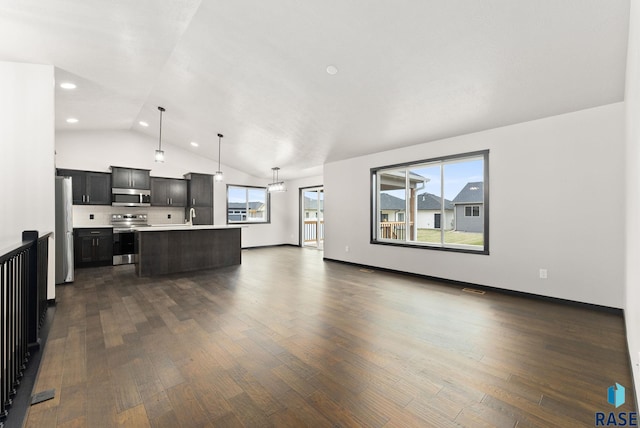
[
  {"x": 275, "y": 185},
  {"x": 159, "y": 156}
]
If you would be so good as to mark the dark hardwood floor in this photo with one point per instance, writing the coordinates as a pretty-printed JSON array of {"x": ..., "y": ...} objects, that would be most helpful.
[{"x": 286, "y": 339}]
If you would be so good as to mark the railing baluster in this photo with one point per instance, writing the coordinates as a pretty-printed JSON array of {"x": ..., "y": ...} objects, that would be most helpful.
[
  {"x": 23, "y": 302},
  {"x": 3, "y": 337}
]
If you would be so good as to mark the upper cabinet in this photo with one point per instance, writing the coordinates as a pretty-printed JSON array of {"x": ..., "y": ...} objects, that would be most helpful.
[
  {"x": 200, "y": 190},
  {"x": 200, "y": 197},
  {"x": 168, "y": 192},
  {"x": 89, "y": 188},
  {"x": 130, "y": 178}
]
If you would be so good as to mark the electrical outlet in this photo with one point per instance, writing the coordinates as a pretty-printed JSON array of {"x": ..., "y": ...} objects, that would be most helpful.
[
  {"x": 543, "y": 274},
  {"x": 169, "y": 216},
  {"x": 346, "y": 248},
  {"x": 91, "y": 217}
]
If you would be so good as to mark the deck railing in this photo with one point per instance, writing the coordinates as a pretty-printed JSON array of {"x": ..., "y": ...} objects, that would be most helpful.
[
  {"x": 393, "y": 229},
  {"x": 311, "y": 230},
  {"x": 23, "y": 306}
]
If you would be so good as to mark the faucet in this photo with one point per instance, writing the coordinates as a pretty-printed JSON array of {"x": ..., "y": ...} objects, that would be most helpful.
[{"x": 192, "y": 214}]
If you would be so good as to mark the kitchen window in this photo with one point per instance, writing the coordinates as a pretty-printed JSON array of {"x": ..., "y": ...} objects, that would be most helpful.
[
  {"x": 440, "y": 203},
  {"x": 247, "y": 204}
]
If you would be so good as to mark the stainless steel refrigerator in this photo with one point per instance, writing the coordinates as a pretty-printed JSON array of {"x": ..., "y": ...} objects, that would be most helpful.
[{"x": 64, "y": 230}]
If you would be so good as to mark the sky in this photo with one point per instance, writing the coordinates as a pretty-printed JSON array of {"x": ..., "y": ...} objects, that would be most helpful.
[
  {"x": 239, "y": 194},
  {"x": 456, "y": 176}
]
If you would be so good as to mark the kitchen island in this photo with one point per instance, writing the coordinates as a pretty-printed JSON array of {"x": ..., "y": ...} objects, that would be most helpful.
[{"x": 168, "y": 249}]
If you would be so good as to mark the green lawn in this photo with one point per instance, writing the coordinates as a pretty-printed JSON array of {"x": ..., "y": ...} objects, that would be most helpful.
[{"x": 450, "y": 237}]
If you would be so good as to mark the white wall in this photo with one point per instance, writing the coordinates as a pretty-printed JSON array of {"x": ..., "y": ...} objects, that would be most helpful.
[
  {"x": 98, "y": 150},
  {"x": 632, "y": 101},
  {"x": 553, "y": 167},
  {"x": 27, "y": 144}
]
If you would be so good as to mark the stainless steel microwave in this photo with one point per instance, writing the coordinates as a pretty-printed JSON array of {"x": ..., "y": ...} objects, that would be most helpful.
[{"x": 130, "y": 198}]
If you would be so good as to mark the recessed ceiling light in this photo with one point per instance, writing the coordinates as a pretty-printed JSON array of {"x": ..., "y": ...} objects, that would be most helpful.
[
  {"x": 143, "y": 123},
  {"x": 68, "y": 85},
  {"x": 72, "y": 120},
  {"x": 332, "y": 69},
  {"x": 194, "y": 144}
]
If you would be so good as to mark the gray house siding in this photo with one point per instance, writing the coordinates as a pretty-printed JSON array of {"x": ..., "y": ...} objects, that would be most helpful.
[{"x": 469, "y": 223}]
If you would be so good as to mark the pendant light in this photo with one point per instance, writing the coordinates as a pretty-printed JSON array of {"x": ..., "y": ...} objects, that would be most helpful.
[
  {"x": 219, "y": 175},
  {"x": 276, "y": 185},
  {"x": 159, "y": 152}
]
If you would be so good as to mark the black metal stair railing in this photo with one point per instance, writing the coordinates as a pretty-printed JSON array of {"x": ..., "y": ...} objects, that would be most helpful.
[{"x": 23, "y": 306}]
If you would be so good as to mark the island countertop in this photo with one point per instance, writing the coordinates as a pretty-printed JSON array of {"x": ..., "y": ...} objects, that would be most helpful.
[{"x": 179, "y": 226}]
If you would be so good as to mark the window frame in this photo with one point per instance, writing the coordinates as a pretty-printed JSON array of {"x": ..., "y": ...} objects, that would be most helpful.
[
  {"x": 246, "y": 215},
  {"x": 473, "y": 209},
  {"x": 442, "y": 246}
]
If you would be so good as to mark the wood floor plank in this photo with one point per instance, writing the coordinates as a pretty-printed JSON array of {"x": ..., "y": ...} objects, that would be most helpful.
[
  {"x": 338, "y": 415},
  {"x": 74, "y": 367},
  {"x": 287, "y": 339},
  {"x": 101, "y": 404},
  {"x": 186, "y": 405},
  {"x": 249, "y": 414},
  {"x": 295, "y": 382},
  {"x": 125, "y": 389},
  {"x": 157, "y": 405},
  {"x": 79, "y": 422},
  {"x": 133, "y": 417},
  {"x": 146, "y": 380},
  {"x": 207, "y": 391},
  {"x": 42, "y": 417},
  {"x": 72, "y": 402}
]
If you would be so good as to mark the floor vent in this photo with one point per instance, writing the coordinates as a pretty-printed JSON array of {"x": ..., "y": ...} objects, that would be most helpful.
[
  {"x": 473, "y": 291},
  {"x": 43, "y": 396},
  {"x": 366, "y": 270}
]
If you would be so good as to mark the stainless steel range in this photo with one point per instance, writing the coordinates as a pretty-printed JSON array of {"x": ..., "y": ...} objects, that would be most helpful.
[{"x": 124, "y": 236}]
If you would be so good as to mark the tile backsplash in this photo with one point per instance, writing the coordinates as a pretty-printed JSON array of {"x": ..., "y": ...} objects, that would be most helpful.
[{"x": 102, "y": 214}]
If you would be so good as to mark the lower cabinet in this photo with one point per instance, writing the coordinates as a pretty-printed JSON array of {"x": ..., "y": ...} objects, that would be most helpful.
[{"x": 93, "y": 247}]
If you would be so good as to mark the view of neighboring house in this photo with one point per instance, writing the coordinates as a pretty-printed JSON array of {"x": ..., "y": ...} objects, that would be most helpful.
[
  {"x": 463, "y": 214},
  {"x": 430, "y": 215},
  {"x": 237, "y": 211},
  {"x": 311, "y": 208},
  {"x": 391, "y": 208},
  {"x": 469, "y": 208}
]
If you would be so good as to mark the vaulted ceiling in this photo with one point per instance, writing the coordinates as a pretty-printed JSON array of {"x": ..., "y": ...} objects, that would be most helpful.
[{"x": 408, "y": 71}]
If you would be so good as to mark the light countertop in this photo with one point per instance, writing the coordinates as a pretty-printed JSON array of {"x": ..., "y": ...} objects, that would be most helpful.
[{"x": 165, "y": 227}]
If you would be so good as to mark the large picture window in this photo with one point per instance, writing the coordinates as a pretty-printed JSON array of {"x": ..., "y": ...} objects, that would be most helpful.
[
  {"x": 247, "y": 204},
  {"x": 440, "y": 203}
]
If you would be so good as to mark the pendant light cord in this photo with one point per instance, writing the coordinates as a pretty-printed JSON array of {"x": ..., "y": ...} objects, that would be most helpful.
[
  {"x": 219, "y": 144},
  {"x": 160, "y": 141}
]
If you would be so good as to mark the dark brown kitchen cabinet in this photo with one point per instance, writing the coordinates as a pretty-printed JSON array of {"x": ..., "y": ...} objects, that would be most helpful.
[
  {"x": 130, "y": 178},
  {"x": 88, "y": 187},
  {"x": 168, "y": 192},
  {"x": 200, "y": 197},
  {"x": 204, "y": 215},
  {"x": 93, "y": 247}
]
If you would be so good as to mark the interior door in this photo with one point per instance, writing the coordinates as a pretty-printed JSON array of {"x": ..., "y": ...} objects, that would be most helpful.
[{"x": 312, "y": 215}]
